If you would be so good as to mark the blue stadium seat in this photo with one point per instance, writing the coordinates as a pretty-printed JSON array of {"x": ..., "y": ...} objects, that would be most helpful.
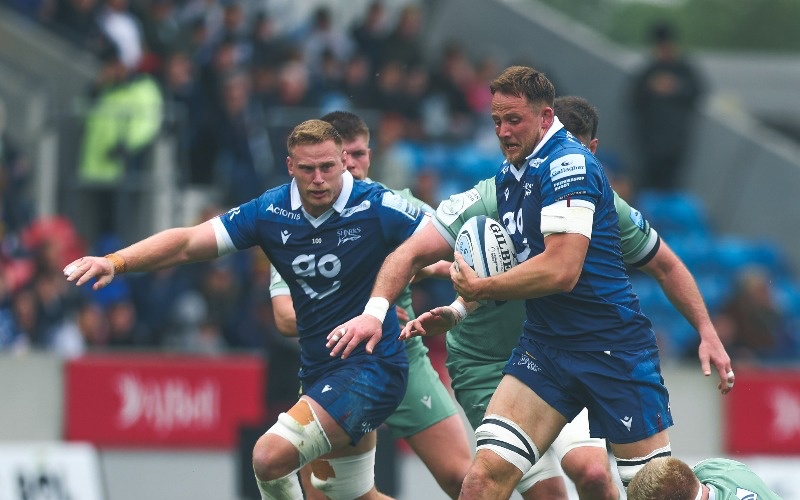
[{"x": 674, "y": 212}]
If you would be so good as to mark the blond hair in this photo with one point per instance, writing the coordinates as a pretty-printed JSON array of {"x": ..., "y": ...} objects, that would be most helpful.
[
  {"x": 664, "y": 478},
  {"x": 312, "y": 132}
]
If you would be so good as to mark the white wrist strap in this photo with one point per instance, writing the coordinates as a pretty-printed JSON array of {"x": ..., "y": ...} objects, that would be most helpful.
[
  {"x": 460, "y": 311},
  {"x": 377, "y": 307}
]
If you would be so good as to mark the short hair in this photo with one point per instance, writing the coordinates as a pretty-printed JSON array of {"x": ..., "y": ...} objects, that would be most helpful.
[
  {"x": 524, "y": 81},
  {"x": 349, "y": 125},
  {"x": 312, "y": 132},
  {"x": 664, "y": 478},
  {"x": 578, "y": 115}
]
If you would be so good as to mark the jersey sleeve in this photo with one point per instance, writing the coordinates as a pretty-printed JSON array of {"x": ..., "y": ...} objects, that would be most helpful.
[
  {"x": 399, "y": 217},
  {"x": 239, "y": 226},
  {"x": 574, "y": 178},
  {"x": 277, "y": 285},
  {"x": 640, "y": 242},
  {"x": 459, "y": 208},
  {"x": 408, "y": 196}
]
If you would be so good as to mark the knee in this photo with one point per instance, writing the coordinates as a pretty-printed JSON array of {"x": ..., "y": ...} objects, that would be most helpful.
[
  {"x": 266, "y": 462},
  {"x": 594, "y": 480}
]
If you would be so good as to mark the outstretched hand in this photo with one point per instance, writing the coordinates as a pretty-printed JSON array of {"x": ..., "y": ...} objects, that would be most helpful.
[
  {"x": 346, "y": 337},
  {"x": 86, "y": 268},
  {"x": 434, "y": 322},
  {"x": 712, "y": 351}
]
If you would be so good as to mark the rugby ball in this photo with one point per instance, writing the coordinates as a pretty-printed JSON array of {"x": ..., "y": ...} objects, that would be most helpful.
[{"x": 486, "y": 246}]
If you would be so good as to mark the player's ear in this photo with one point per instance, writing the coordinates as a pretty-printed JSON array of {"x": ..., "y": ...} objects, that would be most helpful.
[
  {"x": 548, "y": 115},
  {"x": 290, "y": 165},
  {"x": 593, "y": 145}
]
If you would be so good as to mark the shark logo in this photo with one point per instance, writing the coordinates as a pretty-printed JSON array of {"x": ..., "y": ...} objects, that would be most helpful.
[
  {"x": 426, "y": 400},
  {"x": 627, "y": 421},
  {"x": 537, "y": 161},
  {"x": 285, "y": 235},
  {"x": 326, "y": 388}
]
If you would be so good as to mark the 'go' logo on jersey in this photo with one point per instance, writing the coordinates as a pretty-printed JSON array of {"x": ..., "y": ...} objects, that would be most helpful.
[{"x": 307, "y": 265}]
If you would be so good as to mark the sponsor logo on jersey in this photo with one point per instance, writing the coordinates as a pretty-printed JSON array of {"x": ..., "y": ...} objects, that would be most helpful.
[
  {"x": 743, "y": 494},
  {"x": 627, "y": 421},
  {"x": 233, "y": 212},
  {"x": 400, "y": 204},
  {"x": 637, "y": 218},
  {"x": 348, "y": 234},
  {"x": 364, "y": 205},
  {"x": 285, "y": 235},
  {"x": 426, "y": 400},
  {"x": 567, "y": 166},
  {"x": 283, "y": 212},
  {"x": 506, "y": 193},
  {"x": 326, "y": 388}
]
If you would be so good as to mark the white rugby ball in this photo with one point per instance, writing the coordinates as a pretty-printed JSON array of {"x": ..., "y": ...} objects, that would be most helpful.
[{"x": 486, "y": 246}]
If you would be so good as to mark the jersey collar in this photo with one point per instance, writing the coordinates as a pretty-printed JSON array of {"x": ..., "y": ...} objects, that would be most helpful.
[
  {"x": 555, "y": 127},
  {"x": 338, "y": 205}
]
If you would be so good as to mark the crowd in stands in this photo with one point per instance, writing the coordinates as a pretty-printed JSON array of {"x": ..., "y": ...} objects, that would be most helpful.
[{"x": 228, "y": 81}]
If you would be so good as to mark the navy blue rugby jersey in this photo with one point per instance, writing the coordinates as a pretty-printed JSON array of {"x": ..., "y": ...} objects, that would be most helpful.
[
  {"x": 602, "y": 312},
  {"x": 330, "y": 262}
]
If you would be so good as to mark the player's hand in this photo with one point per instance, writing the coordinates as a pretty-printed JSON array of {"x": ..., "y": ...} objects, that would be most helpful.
[
  {"x": 434, "y": 322},
  {"x": 465, "y": 279},
  {"x": 711, "y": 351},
  {"x": 345, "y": 338},
  {"x": 86, "y": 268},
  {"x": 402, "y": 315}
]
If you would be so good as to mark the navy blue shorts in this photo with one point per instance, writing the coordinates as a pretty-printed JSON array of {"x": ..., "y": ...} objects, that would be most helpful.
[
  {"x": 360, "y": 395},
  {"x": 623, "y": 390}
]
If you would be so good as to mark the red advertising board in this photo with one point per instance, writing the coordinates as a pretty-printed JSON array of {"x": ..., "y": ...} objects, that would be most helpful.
[
  {"x": 162, "y": 400},
  {"x": 763, "y": 413}
]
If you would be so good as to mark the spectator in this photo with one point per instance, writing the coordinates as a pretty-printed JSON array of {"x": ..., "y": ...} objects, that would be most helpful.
[
  {"x": 324, "y": 38},
  {"x": 370, "y": 34},
  {"x": 403, "y": 45},
  {"x": 751, "y": 324},
  {"x": 122, "y": 122},
  {"x": 16, "y": 203},
  {"x": 665, "y": 94},
  {"x": 76, "y": 20},
  {"x": 124, "y": 30}
]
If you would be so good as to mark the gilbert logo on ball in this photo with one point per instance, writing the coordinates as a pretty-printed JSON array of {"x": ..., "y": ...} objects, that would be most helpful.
[{"x": 486, "y": 246}]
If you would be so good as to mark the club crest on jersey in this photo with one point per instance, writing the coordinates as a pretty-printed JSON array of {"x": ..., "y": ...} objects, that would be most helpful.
[
  {"x": 637, "y": 218},
  {"x": 283, "y": 212},
  {"x": 348, "y": 234},
  {"x": 528, "y": 188},
  {"x": 364, "y": 205}
]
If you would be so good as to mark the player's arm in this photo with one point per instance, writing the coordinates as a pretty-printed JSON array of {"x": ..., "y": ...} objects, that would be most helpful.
[
  {"x": 282, "y": 304},
  {"x": 438, "y": 320},
  {"x": 164, "y": 249},
  {"x": 643, "y": 248},
  {"x": 681, "y": 289},
  {"x": 555, "y": 270},
  {"x": 423, "y": 248}
]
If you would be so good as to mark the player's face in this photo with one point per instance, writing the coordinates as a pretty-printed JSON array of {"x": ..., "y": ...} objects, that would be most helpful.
[
  {"x": 317, "y": 169},
  {"x": 519, "y": 125},
  {"x": 358, "y": 157}
]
